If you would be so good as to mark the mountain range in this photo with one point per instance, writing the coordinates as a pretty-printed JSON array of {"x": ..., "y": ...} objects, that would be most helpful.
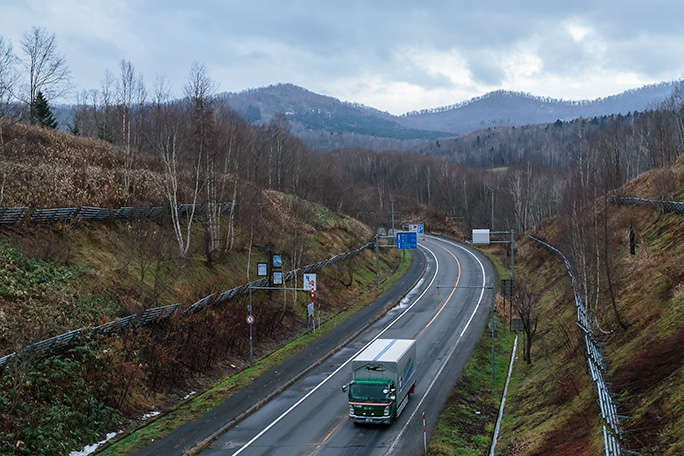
[{"x": 326, "y": 122}]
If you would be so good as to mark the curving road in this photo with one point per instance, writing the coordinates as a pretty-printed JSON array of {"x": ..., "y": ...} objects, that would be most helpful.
[{"x": 446, "y": 312}]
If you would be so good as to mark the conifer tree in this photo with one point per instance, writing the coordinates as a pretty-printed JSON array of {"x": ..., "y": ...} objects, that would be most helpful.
[{"x": 42, "y": 113}]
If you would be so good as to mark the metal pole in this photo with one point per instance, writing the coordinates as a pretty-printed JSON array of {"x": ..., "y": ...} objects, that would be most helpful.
[
  {"x": 377, "y": 259},
  {"x": 392, "y": 201},
  {"x": 510, "y": 318},
  {"x": 512, "y": 255},
  {"x": 424, "y": 435},
  {"x": 250, "y": 326},
  {"x": 491, "y": 190},
  {"x": 492, "y": 327}
]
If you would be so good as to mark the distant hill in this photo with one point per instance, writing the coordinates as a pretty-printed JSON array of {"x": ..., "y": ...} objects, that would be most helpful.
[
  {"x": 323, "y": 121},
  {"x": 312, "y": 115},
  {"x": 507, "y": 109}
]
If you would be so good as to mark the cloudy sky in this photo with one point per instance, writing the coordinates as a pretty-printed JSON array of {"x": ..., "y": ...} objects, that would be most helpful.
[{"x": 394, "y": 55}]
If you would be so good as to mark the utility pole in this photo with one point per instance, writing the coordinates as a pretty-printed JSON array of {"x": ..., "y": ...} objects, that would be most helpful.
[
  {"x": 392, "y": 203},
  {"x": 377, "y": 259},
  {"x": 491, "y": 191}
]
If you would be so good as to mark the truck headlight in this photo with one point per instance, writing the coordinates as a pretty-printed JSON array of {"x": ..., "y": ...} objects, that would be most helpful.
[
  {"x": 351, "y": 410},
  {"x": 387, "y": 409}
]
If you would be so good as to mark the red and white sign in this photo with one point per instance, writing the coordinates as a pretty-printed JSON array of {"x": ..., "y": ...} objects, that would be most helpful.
[
  {"x": 250, "y": 319},
  {"x": 310, "y": 281}
]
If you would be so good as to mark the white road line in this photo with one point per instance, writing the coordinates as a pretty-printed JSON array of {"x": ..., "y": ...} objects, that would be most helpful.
[
  {"x": 392, "y": 449},
  {"x": 314, "y": 389}
]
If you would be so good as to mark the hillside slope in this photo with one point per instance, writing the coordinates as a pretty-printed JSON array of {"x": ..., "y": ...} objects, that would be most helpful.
[
  {"x": 553, "y": 409},
  {"x": 78, "y": 274}
]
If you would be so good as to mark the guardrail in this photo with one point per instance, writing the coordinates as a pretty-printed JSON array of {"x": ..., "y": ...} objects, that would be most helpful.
[
  {"x": 597, "y": 367},
  {"x": 24, "y": 214},
  {"x": 665, "y": 206},
  {"x": 59, "y": 344}
]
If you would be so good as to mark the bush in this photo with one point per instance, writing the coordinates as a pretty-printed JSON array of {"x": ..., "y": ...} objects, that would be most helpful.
[{"x": 55, "y": 405}]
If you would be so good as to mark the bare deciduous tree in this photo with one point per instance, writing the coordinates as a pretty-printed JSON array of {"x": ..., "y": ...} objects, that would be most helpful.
[
  {"x": 199, "y": 91},
  {"x": 47, "y": 69},
  {"x": 126, "y": 91},
  {"x": 164, "y": 138},
  {"x": 524, "y": 302},
  {"x": 8, "y": 76}
]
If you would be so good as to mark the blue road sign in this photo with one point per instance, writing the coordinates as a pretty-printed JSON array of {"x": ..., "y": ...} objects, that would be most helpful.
[{"x": 407, "y": 240}]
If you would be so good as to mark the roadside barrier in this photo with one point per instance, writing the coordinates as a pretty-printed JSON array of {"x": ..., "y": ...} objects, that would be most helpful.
[
  {"x": 597, "y": 367},
  {"x": 665, "y": 206},
  {"x": 24, "y": 214},
  {"x": 62, "y": 342}
]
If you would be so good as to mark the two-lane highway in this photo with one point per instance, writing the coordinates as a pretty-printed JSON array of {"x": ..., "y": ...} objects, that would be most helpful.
[{"x": 446, "y": 313}]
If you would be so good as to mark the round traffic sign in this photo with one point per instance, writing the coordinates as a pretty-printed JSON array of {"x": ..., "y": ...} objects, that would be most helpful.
[{"x": 250, "y": 319}]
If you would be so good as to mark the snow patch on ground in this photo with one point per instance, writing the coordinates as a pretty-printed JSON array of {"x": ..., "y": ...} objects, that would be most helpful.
[{"x": 90, "y": 449}]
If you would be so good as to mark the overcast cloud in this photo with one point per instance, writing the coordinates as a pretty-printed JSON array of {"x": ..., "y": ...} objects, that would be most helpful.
[{"x": 394, "y": 55}]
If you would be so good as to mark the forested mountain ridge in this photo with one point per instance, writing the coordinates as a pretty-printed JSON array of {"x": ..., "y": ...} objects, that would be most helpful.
[{"x": 327, "y": 122}]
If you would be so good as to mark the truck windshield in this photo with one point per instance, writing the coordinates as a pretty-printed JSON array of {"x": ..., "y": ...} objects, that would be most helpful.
[{"x": 368, "y": 392}]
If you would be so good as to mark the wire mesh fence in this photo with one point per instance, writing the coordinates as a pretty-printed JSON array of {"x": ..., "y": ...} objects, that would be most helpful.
[
  {"x": 24, "y": 214},
  {"x": 62, "y": 342},
  {"x": 597, "y": 366},
  {"x": 664, "y": 206}
]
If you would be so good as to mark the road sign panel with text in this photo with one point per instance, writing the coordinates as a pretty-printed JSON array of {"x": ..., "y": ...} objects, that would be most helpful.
[{"x": 407, "y": 240}]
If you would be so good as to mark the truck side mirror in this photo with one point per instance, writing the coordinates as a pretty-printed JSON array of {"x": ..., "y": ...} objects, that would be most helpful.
[{"x": 344, "y": 388}]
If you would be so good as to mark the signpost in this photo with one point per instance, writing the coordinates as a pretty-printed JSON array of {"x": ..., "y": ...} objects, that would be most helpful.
[
  {"x": 262, "y": 269},
  {"x": 277, "y": 276},
  {"x": 480, "y": 236},
  {"x": 483, "y": 237},
  {"x": 310, "y": 281},
  {"x": 310, "y": 284},
  {"x": 407, "y": 240},
  {"x": 418, "y": 229}
]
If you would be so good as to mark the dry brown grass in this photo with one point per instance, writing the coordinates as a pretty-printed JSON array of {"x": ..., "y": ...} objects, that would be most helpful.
[
  {"x": 647, "y": 367},
  {"x": 47, "y": 168}
]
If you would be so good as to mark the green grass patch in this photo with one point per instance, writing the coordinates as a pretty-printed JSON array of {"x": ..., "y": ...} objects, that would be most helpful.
[{"x": 466, "y": 425}]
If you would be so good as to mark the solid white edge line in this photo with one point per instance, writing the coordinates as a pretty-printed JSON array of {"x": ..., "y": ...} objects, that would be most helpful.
[
  {"x": 314, "y": 389},
  {"x": 391, "y": 449},
  {"x": 503, "y": 398}
]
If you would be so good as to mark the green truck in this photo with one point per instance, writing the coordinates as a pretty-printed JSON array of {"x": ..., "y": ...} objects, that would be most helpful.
[{"x": 383, "y": 376}]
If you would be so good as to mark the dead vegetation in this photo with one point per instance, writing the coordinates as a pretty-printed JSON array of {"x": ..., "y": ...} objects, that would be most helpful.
[
  {"x": 646, "y": 366},
  {"x": 61, "y": 277}
]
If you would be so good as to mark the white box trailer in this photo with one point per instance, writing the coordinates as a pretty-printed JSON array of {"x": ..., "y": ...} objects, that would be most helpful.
[{"x": 383, "y": 376}]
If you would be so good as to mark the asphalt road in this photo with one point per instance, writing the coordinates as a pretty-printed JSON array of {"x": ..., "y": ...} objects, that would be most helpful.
[{"x": 301, "y": 409}]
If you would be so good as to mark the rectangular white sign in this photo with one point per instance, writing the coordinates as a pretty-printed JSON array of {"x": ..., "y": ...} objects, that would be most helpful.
[
  {"x": 277, "y": 278},
  {"x": 481, "y": 236}
]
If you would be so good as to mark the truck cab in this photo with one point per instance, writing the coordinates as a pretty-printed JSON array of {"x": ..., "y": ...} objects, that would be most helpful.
[
  {"x": 372, "y": 400},
  {"x": 383, "y": 376}
]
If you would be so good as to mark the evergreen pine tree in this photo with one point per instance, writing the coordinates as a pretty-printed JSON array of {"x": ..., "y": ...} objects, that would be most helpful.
[{"x": 42, "y": 113}]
